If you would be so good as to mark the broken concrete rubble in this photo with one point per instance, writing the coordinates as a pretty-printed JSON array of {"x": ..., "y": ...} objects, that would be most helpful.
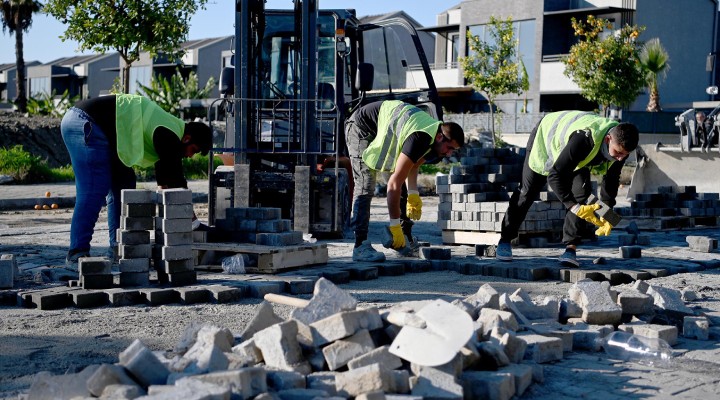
[{"x": 280, "y": 358}]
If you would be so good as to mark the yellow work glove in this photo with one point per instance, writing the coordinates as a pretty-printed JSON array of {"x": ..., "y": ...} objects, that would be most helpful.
[
  {"x": 605, "y": 229},
  {"x": 398, "y": 238},
  {"x": 414, "y": 205},
  {"x": 587, "y": 212}
]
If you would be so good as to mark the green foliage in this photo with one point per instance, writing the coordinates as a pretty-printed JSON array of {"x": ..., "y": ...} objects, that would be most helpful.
[
  {"x": 432, "y": 169},
  {"x": 193, "y": 168},
  {"x": 128, "y": 27},
  {"x": 168, "y": 93},
  {"x": 46, "y": 104},
  {"x": 24, "y": 167},
  {"x": 493, "y": 67},
  {"x": 117, "y": 86},
  {"x": 608, "y": 71},
  {"x": 654, "y": 59},
  {"x": 16, "y": 18}
]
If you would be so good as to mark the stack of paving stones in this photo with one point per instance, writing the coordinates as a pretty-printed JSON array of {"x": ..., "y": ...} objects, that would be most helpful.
[
  {"x": 172, "y": 253},
  {"x": 95, "y": 273},
  {"x": 672, "y": 208},
  {"x": 136, "y": 222},
  {"x": 474, "y": 198},
  {"x": 332, "y": 349},
  {"x": 259, "y": 225}
]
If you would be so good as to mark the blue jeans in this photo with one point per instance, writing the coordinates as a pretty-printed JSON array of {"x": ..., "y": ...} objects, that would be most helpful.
[{"x": 95, "y": 185}]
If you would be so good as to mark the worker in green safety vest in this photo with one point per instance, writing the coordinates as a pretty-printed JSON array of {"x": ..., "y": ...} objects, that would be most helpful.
[
  {"x": 106, "y": 136},
  {"x": 395, "y": 137},
  {"x": 562, "y": 151}
]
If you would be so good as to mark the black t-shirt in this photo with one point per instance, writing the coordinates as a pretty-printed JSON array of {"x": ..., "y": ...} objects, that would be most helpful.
[
  {"x": 579, "y": 145},
  {"x": 415, "y": 146},
  {"x": 168, "y": 169},
  {"x": 366, "y": 117}
]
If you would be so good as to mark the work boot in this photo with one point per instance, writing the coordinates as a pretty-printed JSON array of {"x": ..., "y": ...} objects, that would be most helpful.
[
  {"x": 503, "y": 252},
  {"x": 71, "y": 261},
  {"x": 365, "y": 252},
  {"x": 569, "y": 259}
]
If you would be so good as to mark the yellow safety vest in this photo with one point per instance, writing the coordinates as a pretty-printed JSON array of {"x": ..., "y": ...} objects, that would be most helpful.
[
  {"x": 397, "y": 120},
  {"x": 136, "y": 118},
  {"x": 553, "y": 134}
]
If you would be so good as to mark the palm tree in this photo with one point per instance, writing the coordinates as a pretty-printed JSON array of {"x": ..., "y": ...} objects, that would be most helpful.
[
  {"x": 17, "y": 18},
  {"x": 654, "y": 59}
]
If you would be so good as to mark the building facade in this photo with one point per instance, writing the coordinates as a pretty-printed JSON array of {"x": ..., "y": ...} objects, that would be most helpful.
[{"x": 544, "y": 33}]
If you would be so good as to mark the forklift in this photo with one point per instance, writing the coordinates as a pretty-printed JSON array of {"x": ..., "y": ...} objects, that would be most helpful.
[{"x": 297, "y": 75}]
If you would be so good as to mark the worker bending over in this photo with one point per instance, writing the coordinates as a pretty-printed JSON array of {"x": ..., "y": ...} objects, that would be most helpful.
[
  {"x": 106, "y": 136},
  {"x": 395, "y": 137},
  {"x": 562, "y": 151}
]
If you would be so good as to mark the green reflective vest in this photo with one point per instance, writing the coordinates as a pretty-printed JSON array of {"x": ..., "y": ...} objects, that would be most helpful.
[
  {"x": 136, "y": 118},
  {"x": 397, "y": 120},
  {"x": 554, "y": 131}
]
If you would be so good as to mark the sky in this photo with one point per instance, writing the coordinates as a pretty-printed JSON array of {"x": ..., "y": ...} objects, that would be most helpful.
[{"x": 42, "y": 42}]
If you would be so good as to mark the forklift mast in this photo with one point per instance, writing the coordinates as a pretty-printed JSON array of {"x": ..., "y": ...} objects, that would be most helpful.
[{"x": 297, "y": 75}]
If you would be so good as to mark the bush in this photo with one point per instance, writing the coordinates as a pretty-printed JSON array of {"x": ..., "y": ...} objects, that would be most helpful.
[{"x": 24, "y": 167}]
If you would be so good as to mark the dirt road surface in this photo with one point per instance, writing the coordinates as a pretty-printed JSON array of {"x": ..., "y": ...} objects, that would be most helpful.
[{"x": 67, "y": 340}]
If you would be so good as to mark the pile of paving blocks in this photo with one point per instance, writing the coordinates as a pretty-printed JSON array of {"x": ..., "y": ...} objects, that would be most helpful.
[
  {"x": 330, "y": 348},
  {"x": 672, "y": 208},
  {"x": 134, "y": 247},
  {"x": 259, "y": 225},
  {"x": 474, "y": 198},
  {"x": 172, "y": 253}
]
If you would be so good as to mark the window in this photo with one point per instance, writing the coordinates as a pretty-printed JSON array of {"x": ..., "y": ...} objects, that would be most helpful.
[
  {"x": 453, "y": 48},
  {"x": 139, "y": 76},
  {"x": 39, "y": 86},
  {"x": 524, "y": 32}
]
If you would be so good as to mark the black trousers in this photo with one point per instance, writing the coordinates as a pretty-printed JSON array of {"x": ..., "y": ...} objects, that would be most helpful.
[{"x": 531, "y": 185}]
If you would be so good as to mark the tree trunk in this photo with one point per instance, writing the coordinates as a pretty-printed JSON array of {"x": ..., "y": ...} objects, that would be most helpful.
[
  {"x": 654, "y": 102},
  {"x": 492, "y": 125},
  {"x": 21, "y": 97},
  {"x": 126, "y": 78}
]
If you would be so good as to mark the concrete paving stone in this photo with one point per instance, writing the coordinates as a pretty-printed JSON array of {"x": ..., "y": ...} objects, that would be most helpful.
[
  {"x": 299, "y": 285},
  {"x": 696, "y": 327},
  {"x": 94, "y": 266},
  {"x": 491, "y": 385},
  {"x": 48, "y": 300},
  {"x": 135, "y": 251},
  {"x": 361, "y": 380},
  {"x": 138, "y": 210},
  {"x": 89, "y": 298},
  {"x": 322, "y": 380},
  {"x": 280, "y": 348},
  {"x": 227, "y": 294},
  {"x": 193, "y": 295},
  {"x": 390, "y": 269},
  {"x": 542, "y": 349},
  {"x": 143, "y": 365},
  {"x": 134, "y": 279},
  {"x": 108, "y": 374},
  {"x": 96, "y": 281},
  {"x": 123, "y": 297},
  {"x": 264, "y": 318},
  {"x": 344, "y": 324},
  {"x": 415, "y": 266},
  {"x": 340, "y": 352},
  {"x": 175, "y": 196},
  {"x": 634, "y": 303},
  {"x": 528, "y": 272},
  {"x": 258, "y": 289},
  {"x": 134, "y": 265},
  {"x": 179, "y": 252},
  {"x": 156, "y": 297},
  {"x": 183, "y": 225},
  {"x": 175, "y": 239},
  {"x": 361, "y": 273},
  {"x": 335, "y": 275},
  {"x": 182, "y": 278},
  {"x": 129, "y": 196}
]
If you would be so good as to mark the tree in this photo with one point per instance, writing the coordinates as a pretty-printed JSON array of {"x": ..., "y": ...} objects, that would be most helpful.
[
  {"x": 128, "y": 27},
  {"x": 17, "y": 18},
  {"x": 493, "y": 66},
  {"x": 654, "y": 59},
  {"x": 608, "y": 71},
  {"x": 168, "y": 93}
]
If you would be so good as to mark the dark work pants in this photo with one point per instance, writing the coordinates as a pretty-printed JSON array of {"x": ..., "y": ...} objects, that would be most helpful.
[{"x": 531, "y": 185}]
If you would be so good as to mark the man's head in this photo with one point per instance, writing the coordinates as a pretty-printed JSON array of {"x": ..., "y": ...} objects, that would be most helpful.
[
  {"x": 450, "y": 137},
  {"x": 621, "y": 140},
  {"x": 700, "y": 116},
  {"x": 197, "y": 138}
]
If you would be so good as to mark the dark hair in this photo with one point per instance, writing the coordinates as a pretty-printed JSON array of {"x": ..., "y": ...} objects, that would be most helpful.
[
  {"x": 626, "y": 135},
  {"x": 200, "y": 134},
  {"x": 454, "y": 132}
]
